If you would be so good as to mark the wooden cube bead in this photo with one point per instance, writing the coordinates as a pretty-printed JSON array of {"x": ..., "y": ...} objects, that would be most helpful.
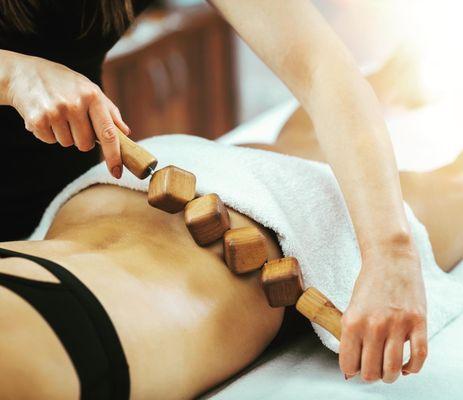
[
  {"x": 207, "y": 219},
  {"x": 282, "y": 281},
  {"x": 315, "y": 306},
  {"x": 171, "y": 188},
  {"x": 244, "y": 249}
]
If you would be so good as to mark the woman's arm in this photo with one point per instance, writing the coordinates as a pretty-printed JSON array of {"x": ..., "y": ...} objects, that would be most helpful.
[
  {"x": 5, "y": 72},
  {"x": 295, "y": 41},
  {"x": 61, "y": 105}
]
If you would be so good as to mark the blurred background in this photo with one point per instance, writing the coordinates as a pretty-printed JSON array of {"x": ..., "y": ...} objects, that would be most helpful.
[{"x": 182, "y": 69}]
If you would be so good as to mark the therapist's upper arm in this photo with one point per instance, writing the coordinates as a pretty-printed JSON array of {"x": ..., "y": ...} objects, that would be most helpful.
[{"x": 290, "y": 36}]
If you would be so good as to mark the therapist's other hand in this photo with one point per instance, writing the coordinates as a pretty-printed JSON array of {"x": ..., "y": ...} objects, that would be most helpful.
[
  {"x": 61, "y": 105},
  {"x": 387, "y": 308}
]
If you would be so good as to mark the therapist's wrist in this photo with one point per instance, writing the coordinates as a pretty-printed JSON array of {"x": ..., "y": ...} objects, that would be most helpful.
[
  {"x": 399, "y": 245},
  {"x": 6, "y": 69},
  {"x": 9, "y": 63}
]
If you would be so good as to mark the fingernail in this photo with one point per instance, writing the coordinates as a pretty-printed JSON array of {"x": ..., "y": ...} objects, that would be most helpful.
[
  {"x": 116, "y": 172},
  {"x": 405, "y": 372},
  {"x": 347, "y": 376}
]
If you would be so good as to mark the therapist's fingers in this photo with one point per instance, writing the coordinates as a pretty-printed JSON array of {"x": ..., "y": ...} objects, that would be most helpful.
[
  {"x": 372, "y": 353},
  {"x": 350, "y": 351},
  {"x": 106, "y": 132},
  {"x": 418, "y": 349},
  {"x": 117, "y": 118},
  {"x": 46, "y": 135},
  {"x": 62, "y": 132},
  {"x": 40, "y": 128},
  {"x": 82, "y": 131},
  {"x": 393, "y": 357}
]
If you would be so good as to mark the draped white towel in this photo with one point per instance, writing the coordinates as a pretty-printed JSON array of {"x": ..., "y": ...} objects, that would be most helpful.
[{"x": 299, "y": 200}]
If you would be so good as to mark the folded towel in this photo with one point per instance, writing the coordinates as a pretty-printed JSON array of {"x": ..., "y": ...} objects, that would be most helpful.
[{"x": 299, "y": 200}]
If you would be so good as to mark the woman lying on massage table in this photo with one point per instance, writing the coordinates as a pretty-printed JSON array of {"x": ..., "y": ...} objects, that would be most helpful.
[
  {"x": 168, "y": 305},
  {"x": 304, "y": 52}
]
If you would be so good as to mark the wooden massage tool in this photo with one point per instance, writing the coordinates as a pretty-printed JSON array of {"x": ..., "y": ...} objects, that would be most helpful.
[
  {"x": 173, "y": 189},
  {"x": 170, "y": 188}
]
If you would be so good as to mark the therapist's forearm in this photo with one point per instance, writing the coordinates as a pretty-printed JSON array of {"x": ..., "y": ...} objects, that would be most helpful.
[
  {"x": 388, "y": 302},
  {"x": 354, "y": 138},
  {"x": 5, "y": 71},
  {"x": 294, "y": 40}
]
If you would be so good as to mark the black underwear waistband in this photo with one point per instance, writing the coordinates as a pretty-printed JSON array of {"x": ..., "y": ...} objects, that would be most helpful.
[{"x": 81, "y": 324}]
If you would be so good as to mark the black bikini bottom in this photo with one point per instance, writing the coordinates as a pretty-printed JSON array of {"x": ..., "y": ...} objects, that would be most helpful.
[{"x": 82, "y": 325}]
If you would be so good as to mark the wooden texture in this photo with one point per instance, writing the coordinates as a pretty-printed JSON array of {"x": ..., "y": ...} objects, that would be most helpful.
[
  {"x": 207, "y": 219},
  {"x": 282, "y": 282},
  {"x": 316, "y": 306},
  {"x": 174, "y": 71},
  {"x": 136, "y": 158},
  {"x": 245, "y": 249},
  {"x": 171, "y": 188}
]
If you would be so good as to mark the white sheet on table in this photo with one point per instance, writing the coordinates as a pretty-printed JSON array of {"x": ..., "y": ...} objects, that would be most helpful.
[{"x": 305, "y": 370}]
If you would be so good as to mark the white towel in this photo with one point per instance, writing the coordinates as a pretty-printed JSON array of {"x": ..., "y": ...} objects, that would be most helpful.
[{"x": 299, "y": 200}]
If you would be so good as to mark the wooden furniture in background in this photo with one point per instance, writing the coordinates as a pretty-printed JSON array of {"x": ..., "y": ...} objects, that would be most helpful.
[{"x": 173, "y": 72}]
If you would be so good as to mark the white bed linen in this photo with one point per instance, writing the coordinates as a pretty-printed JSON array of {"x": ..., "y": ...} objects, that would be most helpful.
[{"x": 305, "y": 369}]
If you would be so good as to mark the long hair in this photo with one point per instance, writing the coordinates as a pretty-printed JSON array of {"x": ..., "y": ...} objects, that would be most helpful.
[{"x": 18, "y": 14}]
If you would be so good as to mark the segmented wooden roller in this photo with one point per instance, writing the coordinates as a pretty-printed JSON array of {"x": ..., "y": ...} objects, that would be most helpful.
[
  {"x": 207, "y": 219},
  {"x": 282, "y": 282},
  {"x": 245, "y": 249},
  {"x": 135, "y": 158},
  {"x": 171, "y": 188},
  {"x": 314, "y": 305}
]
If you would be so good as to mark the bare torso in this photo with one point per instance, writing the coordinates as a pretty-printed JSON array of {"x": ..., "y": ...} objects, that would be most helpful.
[
  {"x": 172, "y": 302},
  {"x": 185, "y": 321}
]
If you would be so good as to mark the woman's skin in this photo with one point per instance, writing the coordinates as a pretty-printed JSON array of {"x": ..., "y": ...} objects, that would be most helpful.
[
  {"x": 294, "y": 40},
  {"x": 298, "y": 45},
  {"x": 309, "y": 58},
  {"x": 173, "y": 303},
  {"x": 61, "y": 105},
  {"x": 185, "y": 321},
  {"x": 419, "y": 189}
]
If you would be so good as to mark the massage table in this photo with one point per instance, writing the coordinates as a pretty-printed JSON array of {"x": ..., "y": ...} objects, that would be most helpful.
[{"x": 302, "y": 368}]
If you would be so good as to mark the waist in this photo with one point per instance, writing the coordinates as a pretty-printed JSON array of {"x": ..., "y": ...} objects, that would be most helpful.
[{"x": 114, "y": 219}]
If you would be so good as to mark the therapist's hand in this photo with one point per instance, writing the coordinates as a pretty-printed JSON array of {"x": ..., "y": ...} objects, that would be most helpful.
[
  {"x": 61, "y": 105},
  {"x": 387, "y": 308}
]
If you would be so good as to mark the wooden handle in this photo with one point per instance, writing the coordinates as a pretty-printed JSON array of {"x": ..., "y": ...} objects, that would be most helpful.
[
  {"x": 136, "y": 158},
  {"x": 319, "y": 309}
]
